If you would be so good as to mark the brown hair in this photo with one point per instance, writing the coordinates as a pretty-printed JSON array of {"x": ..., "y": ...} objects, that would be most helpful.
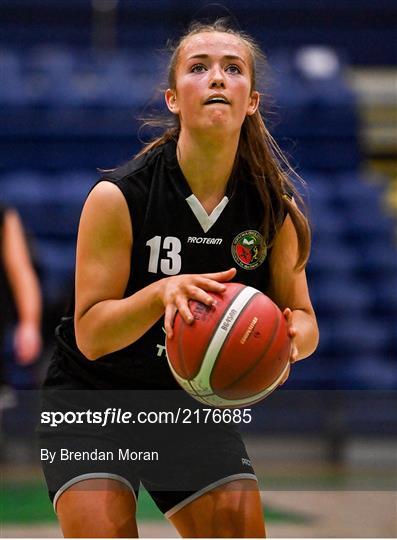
[{"x": 257, "y": 152}]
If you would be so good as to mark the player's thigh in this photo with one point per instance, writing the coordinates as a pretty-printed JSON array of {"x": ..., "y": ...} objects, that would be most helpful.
[
  {"x": 233, "y": 510},
  {"x": 97, "y": 508}
]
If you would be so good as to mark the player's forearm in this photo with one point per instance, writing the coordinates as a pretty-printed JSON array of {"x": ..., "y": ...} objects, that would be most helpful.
[
  {"x": 307, "y": 332},
  {"x": 27, "y": 297},
  {"x": 20, "y": 273},
  {"x": 111, "y": 325}
]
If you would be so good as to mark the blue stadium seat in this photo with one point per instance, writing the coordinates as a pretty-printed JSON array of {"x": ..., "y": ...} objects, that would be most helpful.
[
  {"x": 323, "y": 373},
  {"x": 56, "y": 267},
  {"x": 384, "y": 291},
  {"x": 52, "y": 219},
  {"x": 21, "y": 186},
  {"x": 359, "y": 228},
  {"x": 312, "y": 373},
  {"x": 326, "y": 223},
  {"x": 75, "y": 185},
  {"x": 332, "y": 258},
  {"x": 378, "y": 261},
  {"x": 353, "y": 189},
  {"x": 336, "y": 297},
  {"x": 49, "y": 58},
  {"x": 372, "y": 371},
  {"x": 12, "y": 88},
  {"x": 47, "y": 72},
  {"x": 319, "y": 189},
  {"x": 47, "y": 209},
  {"x": 132, "y": 78},
  {"x": 88, "y": 81},
  {"x": 287, "y": 87},
  {"x": 354, "y": 336}
]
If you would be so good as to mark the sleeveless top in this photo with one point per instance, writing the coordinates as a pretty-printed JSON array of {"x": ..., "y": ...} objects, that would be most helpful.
[{"x": 172, "y": 234}]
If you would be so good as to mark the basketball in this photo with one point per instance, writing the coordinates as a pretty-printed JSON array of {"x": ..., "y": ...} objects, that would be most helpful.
[{"x": 234, "y": 353}]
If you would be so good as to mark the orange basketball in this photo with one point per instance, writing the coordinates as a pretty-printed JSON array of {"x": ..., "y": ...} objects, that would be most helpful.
[{"x": 235, "y": 353}]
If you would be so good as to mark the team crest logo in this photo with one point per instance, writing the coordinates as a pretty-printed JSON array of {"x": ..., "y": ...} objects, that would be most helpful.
[{"x": 248, "y": 250}]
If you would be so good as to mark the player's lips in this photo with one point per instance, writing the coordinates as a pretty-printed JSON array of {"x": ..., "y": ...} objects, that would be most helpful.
[{"x": 216, "y": 98}]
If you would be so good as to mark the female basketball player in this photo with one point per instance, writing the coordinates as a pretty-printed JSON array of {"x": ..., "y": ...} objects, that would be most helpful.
[{"x": 154, "y": 234}]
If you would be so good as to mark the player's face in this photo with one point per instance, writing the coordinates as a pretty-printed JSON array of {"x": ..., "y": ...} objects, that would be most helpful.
[{"x": 213, "y": 84}]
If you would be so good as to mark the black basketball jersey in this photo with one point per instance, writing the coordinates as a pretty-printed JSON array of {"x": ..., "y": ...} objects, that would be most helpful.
[{"x": 173, "y": 234}]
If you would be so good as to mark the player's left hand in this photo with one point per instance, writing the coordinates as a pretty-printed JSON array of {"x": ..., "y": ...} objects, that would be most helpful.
[{"x": 292, "y": 334}]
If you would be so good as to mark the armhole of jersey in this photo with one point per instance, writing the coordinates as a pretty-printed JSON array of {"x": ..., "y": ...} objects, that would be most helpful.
[{"x": 131, "y": 210}]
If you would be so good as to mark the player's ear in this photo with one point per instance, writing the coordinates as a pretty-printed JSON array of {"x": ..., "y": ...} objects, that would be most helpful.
[
  {"x": 253, "y": 103},
  {"x": 170, "y": 99}
]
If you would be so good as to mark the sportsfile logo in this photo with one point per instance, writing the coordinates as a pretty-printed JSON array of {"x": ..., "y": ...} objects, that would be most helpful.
[{"x": 203, "y": 240}]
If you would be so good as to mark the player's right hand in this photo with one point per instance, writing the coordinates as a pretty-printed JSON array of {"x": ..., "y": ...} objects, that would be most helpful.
[
  {"x": 176, "y": 291},
  {"x": 27, "y": 343}
]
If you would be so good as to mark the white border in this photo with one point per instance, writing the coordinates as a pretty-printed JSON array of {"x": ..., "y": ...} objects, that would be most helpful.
[
  {"x": 91, "y": 476},
  {"x": 214, "y": 485}
]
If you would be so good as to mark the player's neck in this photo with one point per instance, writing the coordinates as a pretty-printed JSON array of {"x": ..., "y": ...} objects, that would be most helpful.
[{"x": 206, "y": 164}]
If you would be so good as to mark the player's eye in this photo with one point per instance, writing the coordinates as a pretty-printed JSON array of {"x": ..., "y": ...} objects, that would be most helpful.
[
  {"x": 197, "y": 68},
  {"x": 233, "y": 68}
]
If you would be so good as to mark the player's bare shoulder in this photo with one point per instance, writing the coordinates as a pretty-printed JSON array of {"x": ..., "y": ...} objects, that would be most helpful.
[{"x": 106, "y": 211}]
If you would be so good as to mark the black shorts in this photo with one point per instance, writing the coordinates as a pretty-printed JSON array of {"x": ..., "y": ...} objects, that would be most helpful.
[{"x": 178, "y": 459}]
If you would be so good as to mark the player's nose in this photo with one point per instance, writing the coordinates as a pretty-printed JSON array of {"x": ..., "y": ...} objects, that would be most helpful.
[{"x": 217, "y": 79}]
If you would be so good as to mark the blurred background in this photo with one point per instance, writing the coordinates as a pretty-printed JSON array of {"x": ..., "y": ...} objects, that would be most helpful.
[{"x": 76, "y": 77}]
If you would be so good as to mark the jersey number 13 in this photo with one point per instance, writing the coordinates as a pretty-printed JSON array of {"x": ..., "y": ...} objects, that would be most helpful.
[{"x": 170, "y": 247}]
